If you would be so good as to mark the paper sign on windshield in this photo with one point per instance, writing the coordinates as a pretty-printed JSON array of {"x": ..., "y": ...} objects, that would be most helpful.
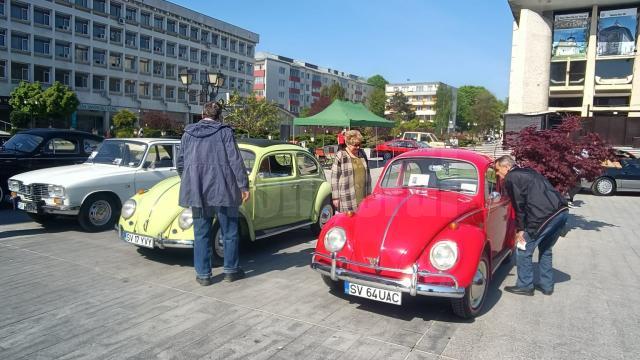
[
  {"x": 419, "y": 180},
  {"x": 468, "y": 187}
]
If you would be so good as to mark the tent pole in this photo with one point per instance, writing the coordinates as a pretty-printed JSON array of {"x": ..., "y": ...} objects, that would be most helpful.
[{"x": 376, "y": 143}]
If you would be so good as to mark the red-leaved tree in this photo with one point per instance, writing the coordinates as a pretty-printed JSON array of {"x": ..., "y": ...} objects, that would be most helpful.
[
  {"x": 562, "y": 154},
  {"x": 322, "y": 103},
  {"x": 157, "y": 120}
]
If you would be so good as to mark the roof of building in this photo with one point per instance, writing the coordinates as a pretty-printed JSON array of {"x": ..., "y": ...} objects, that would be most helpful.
[{"x": 556, "y": 5}]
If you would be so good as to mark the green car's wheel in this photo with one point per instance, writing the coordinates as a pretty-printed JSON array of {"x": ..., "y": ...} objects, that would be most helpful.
[{"x": 326, "y": 213}]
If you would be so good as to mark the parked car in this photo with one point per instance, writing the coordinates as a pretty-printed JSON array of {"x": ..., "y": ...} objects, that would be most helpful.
[
  {"x": 436, "y": 224},
  {"x": 288, "y": 190},
  {"x": 43, "y": 148},
  {"x": 425, "y": 137},
  {"x": 4, "y": 136},
  {"x": 614, "y": 179},
  {"x": 392, "y": 148},
  {"x": 95, "y": 190}
]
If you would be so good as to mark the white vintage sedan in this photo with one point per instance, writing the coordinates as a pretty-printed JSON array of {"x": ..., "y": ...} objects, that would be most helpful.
[{"x": 95, "y": 190}]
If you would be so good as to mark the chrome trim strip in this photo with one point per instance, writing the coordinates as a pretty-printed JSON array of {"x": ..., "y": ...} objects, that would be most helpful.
[
  {"x": 283, "y": 230},
  {"x": 390, "y": 284},
  {"x": 497, "y": 264}
]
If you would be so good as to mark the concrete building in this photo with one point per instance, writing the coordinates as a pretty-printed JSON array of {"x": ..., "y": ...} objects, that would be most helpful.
[
  {"x": 422, "y": 98},
  {"x": 295, "y": 84},
  {"x": 121, "y": 54},
  {"x": 577, "y": 57}
]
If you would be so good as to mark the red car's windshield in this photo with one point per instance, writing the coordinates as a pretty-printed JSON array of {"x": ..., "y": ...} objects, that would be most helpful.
[{"x": 436, "y": 173}]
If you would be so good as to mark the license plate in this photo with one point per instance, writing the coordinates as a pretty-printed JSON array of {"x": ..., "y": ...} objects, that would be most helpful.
[
  {"x": 139, "y": 240},
  {"x": 367, "y": 292},
  {"x": 27, "y": 207}
]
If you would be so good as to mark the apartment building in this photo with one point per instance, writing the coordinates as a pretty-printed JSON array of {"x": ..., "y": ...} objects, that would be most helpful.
[
  {"x": 576, "y": 57},
  {"x": 295, "y": 84},
  {"x": 123, "y": 54},
  {"x": 422, "y": 98}
]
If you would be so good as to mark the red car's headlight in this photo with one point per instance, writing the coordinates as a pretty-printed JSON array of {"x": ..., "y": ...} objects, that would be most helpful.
[
  {"x": 444, "y": 254},
  {"x": 335, "y": 239}
]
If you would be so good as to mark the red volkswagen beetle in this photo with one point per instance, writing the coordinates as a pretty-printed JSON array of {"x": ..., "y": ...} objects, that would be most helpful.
[{"x": 435, "y": 225}]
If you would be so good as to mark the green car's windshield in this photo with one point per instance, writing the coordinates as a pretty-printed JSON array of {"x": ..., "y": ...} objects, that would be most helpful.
[
  {"x": 23, "y": 142},
  {"x": 119, "y": 152},
  {"x": 435, "y": 173}
]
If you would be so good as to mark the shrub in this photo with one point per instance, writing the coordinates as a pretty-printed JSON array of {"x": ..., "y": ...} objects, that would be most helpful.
[
  {"x": 124, "y": 133},
  {"x": 124, "y": 119}
]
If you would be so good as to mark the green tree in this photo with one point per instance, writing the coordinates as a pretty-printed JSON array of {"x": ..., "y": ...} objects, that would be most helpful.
[
  {"x": 411, "y": 125},
  {"x": 486, "y": 112},
  {"x": 333, "y": 92},
  {"x": 59, "y": 101},
  {"x": 27, "y": 104},
  {"x": 466, "y": 99},
  {"x": 377, "y": 81},
  {"x": 257, "y": 117},
  {"x": 124, "y": 121},
  {"x": 304, "y": 112},
  {"x": 400, "y": 108},
  {"x": 377, "y": 101},
  {"x": 444, "y": 102}
]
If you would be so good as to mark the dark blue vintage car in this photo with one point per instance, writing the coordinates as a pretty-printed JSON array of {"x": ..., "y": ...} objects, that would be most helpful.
[{"x": 615, "y": 179}]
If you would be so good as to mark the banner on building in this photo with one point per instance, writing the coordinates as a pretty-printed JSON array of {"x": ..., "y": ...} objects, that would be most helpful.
[
  {"x": 617, "y": 32},
  {"x": 570, "y": 35}
]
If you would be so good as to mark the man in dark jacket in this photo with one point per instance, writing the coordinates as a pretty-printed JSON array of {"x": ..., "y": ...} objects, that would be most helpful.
[
  {"x": 214, "y": 182},
  {"x": 541, "y": 213}
]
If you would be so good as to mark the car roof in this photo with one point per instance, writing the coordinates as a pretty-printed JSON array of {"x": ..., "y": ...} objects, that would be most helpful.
[
  {"x": 462, "y": 154},
  {"x": 53, "y": 132},
  {"x": 270, "y": 144},
  {"x": 146, "y": 140}
]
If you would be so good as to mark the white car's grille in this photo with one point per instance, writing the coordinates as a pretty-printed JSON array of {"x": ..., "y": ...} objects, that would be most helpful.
[{"x": 33, "y": 192}]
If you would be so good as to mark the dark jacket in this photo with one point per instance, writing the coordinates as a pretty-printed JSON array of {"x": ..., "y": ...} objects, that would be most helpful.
[
  {"x": 210, "y": 166},
  {"x": 534, "y": 199}
]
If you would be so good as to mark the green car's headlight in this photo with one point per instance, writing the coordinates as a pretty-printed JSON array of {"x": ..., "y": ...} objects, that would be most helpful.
[
  {"x": 185, "y": 220},
  {"x": 128, "y": 208}
]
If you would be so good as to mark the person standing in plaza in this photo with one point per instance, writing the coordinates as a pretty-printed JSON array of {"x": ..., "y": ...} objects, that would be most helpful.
[
  {"x": 350, "y": 176},
  {"x": 541, "y": 213},
  {"x": 214, "y": 183}
]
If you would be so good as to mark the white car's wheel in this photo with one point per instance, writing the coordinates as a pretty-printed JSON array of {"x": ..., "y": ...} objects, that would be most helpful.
[{"x": 99, "y": 212}]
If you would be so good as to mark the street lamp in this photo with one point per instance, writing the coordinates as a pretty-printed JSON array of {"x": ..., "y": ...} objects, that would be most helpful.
[{"x": 210, "y": 84}]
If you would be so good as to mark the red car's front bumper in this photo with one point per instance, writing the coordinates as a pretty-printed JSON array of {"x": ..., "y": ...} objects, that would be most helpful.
[{"x": 409, "y": 285}]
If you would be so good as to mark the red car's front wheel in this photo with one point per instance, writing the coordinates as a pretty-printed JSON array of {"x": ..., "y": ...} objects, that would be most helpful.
[{"x": 474, "y": 296}]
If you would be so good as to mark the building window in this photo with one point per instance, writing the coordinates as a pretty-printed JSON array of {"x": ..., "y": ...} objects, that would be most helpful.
[
  {"x": 82, "y": 54},
  {"x": 42, "y": 46},
  {"x": 129, "y": 87},
  {"x": 224, "y": 43},
  {"x": 115, "y": 85},
  {"x": 115, "y": 10},
  {"x": 618, "y": 71},
  {"x": 170, "y": 71},
  {"x": 19, "y": 11},
  {"x": 204, "y": 36},
  {"x": 214, "y": 59},
  {"x": 132, "y": 14},
  {"x": 241, "y": 48},
  {"x": 204, "y": 57},
  {"x": 171, "y": 49},
  {"x": 130, "y": 63},
  {"x": 81, "y": 80},
  {"x": 158, "y": 23},
  {"x": 42, "y": 74},
  {"x": 63, "y": 22},
  {"x": 115, "y": 35},
  {"x": 249, "y": 69},
  {"x": 143, "y": 89},
  {"x": 259, "y": 80},
  {"x": 19, "y": 71},
  {"x": 130, "y": 39},
  {"x": 63, "y": 76},
  {"x": 82, "y": 3},
  {"x": 100, "y": 6},
  {"x": 234, "y": 46},
  {"x": 99, "y": 31},
  {"x": 157, "y": 91},
  {"x": 145, "y": 42},
  {"x": 183, "y": 29},
  {"x": 42, "y": 17},
  {"x": 241, "y": 66},
  {"x": 193, "y": 55},
  {"x": 281, "y": 94},
  {"x": 565, "y": 102},
  {"x": 115, "y": 60},
  {"x": 145, "y": 18},
  {"x": 232, "y": 64},
  {"x": 3, "y": 68},
  {"x": 145, "y": 66},
  {"x": 82, "y": 26},
  {"x": 182, "y": 52},
  {"x": 249, "y": 50},
  {"x": 158, "y": 68},
  {"x": 281, "y": 70},
  {"x": 182, "y": 93},
  {"x": 281, "y": 83},
  {"x": 99, "y": 83},
  {"x": 99, "y": 57},
  {"x": 215, "y": 39},
  {"x": 170, "y": 92},
  {"x": 194, "y": 33},
  {"x": 611, "y": 101},
  {"x": 223, "y": 61},
  {"x": 19, "y": 41},
  {"x": 3, "y": 37},
  {"x": 171, "y": 26}
]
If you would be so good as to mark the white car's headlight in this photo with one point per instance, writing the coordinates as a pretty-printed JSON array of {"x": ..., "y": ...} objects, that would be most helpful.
[
  {"x": 335, "y": 239},
  {"x": 14, "y": 185},
  {"x": 128, "y": 208},
  {"x": 444, "y": 255},
  {"x": 185, "y": 220},
  {"x": 55, "y": 191}
]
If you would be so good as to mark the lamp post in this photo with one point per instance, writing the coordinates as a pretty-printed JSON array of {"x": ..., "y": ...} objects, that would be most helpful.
[{"x": 210, "y": 85}]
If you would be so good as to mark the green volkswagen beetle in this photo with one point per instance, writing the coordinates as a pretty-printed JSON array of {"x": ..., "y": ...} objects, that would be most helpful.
[{"x": 288, "y": 191}]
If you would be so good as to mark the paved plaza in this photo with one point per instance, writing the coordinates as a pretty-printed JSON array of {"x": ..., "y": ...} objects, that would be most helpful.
[{"x": 66, "y": 294}]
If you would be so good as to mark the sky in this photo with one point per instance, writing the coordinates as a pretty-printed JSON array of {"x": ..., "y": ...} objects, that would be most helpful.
[{"x": 462, "y": 42}]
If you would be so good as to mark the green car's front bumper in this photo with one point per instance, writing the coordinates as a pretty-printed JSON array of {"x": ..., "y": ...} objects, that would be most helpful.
[{"x": 158, "y": 242}]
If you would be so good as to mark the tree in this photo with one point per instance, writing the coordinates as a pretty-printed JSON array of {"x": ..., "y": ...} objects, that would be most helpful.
[
  {"x": 124, "y": 121},
  {"x": 444, "y": 102},
  {"x": 60, "y": 101},
  {"x": 157, "y": 120},
  {"x": 377, "y": 101},
  {"x": 304, "y": 112},
  {"x": 333, "y": 92},
  {"x": 400, "y": 108},
  {"x": 257, "y": 117},
  {"x": 322, "y": 103},
  {"x": 411, "y": 125},
  {"x": 377, "y": 81},
  {"x": 467, "y": 96},
  {"x": 560, "y": 154},
  {"x": 486, "y": 112},
  {"x": 27, "y": 104}
]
